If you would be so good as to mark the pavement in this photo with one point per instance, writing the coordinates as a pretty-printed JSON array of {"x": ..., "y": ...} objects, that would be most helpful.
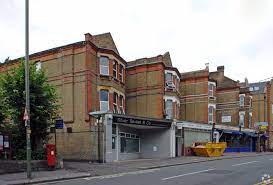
[{"x": 80, "y": 170}]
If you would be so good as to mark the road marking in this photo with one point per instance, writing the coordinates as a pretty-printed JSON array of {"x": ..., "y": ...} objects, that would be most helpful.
[
  {"x": 182, "y": 175},
  {"x": 240, "y": 164},
  {"x": 120, "y": 174}
]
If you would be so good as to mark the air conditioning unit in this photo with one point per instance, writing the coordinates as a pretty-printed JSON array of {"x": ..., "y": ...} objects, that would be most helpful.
[{"x": 170, "y": 85}]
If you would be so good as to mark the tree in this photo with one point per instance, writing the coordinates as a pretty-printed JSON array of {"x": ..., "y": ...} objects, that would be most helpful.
[{"x": 43, "y": 107}]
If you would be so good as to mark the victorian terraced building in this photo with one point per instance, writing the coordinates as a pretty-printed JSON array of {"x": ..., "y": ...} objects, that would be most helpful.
[{"x": 117, "y": 110}]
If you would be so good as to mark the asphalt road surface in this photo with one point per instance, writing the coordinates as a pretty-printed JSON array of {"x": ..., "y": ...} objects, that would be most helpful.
[{"x": 238, "y": 171}]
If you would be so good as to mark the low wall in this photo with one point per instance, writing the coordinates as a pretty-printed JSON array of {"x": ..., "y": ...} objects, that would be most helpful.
[{"x": 12, "y": 166}]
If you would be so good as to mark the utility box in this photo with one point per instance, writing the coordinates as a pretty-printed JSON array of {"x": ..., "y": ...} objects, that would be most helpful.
[{"x": 51, "y": 155}]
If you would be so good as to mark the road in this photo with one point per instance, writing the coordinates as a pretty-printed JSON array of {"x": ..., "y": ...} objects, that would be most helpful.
[{"x": 238, "y": 171}]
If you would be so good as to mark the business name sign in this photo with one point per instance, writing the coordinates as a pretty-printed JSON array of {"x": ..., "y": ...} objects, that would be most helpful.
[
  {"x": 140, "y": 121},
  {"x": 226, "y": 119}
]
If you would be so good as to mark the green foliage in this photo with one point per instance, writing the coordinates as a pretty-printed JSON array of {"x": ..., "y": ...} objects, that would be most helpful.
[{"x": 43, "y": 107}]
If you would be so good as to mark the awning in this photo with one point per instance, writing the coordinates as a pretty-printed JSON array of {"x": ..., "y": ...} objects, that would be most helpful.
[
  {"x": 251, "y": 134},
  {"x": 233, "y": 132}
]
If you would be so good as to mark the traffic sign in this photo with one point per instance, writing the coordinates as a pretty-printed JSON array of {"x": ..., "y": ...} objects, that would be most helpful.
[{"x": 59, "y": 124}]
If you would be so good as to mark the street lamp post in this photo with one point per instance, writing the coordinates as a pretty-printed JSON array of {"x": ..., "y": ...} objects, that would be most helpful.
[{"x": 27, "y": 109}]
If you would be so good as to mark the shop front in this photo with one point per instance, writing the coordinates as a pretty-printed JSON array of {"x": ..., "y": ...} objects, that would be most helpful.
[
  {"x": 193, "y": 132},
  {"x": 129, "y": 138},
  {"x": 243, "y": 140}
]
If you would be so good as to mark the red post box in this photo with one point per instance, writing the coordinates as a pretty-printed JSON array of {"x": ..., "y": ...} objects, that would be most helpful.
[{"x": 51, "y": 155}]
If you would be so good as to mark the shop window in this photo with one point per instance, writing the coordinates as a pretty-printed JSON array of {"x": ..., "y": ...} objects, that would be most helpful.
[
  {"x": 211, "y": 89},
  {"x": 211, "y": 110},
  {"x": 115, "y": 65},
  {"x": 104, "y": 100},
  {"x": 121, "y": 104},
  {"x": 242, "y": 100},
  {"x": 169, "y": 109},
  {"x": 114, "y": 129},
  {"x": 129, "y": 143},
  {"x": 104, "y": 65},
  {"x": 120, "y": 74},
  {"x": 115, "y": 102}
]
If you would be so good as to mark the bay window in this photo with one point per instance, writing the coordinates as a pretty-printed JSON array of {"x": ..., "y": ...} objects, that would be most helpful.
[
  {"x": 104, "y": 100},
  {"x": 169, "y": 109},
  {"x": 168, "y": 77},
  {"x": 242, "y": 100},
  {"x": 121, "y": 104},
  {"x": 121, "y": 68},
  {"x": 210, "y": 114},
  {"x": 104, "y": 65},
  {"x": 115, "y": 102},
  {"x": 115, "y": 65}
]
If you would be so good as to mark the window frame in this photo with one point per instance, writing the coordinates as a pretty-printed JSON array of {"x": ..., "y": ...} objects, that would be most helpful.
[
  {"x": 169, "y": 116},
  {"x": 242, "y": 101},
  {"x": 104, "y": 66},
  {"x": 103, "y": 100},
  {"x": 211, "y": 91},
  {"x": 211, "y": 114},
  {"x": 120, "y": 72},
  {"x": 127, "y": 136},
  {"x": 121, "y": 104},
  {"x": 171, "y": 77},
  {"x": 115, "y": 69},
  {"x": 115, "y": 104},
  {"x": 242, "y": 121}
]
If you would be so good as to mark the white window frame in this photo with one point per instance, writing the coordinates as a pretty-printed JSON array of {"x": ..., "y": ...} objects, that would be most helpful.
[
  {"x": 104, "y": 66},
  {"x": 115, "y": 104},
  {"x": 121, "y": 104},
  {"x": 169, "y": 116},
  {"x": 250, "y": 102},
  {"x": 121, "y": 73},
  {"x": 211, "y": 92},
  {"x": 242, "y": 101},
  {"x": 211, "y": 114},
  {"x": 115, "y": 69},
  {"x": 104, "y": 101},
  {"x": 242, "y": 119},
  {"x": 250, "y": 120},
  {"x": 171, "y": 80}
]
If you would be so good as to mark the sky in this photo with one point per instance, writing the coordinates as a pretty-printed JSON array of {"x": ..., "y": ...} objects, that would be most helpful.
[{"x": 235, "y": 33}]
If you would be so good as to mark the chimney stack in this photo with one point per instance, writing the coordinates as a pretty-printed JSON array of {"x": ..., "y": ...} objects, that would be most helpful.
[
  {"x": 207, "y": 66},
  {"x": 88, "y": 37}
]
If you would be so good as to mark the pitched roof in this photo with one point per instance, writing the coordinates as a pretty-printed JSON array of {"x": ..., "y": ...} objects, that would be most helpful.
[
  {"x": 258, "y": 87},
  {"x": 165, "y": 58},
  {"x": 106, "y": 41}
]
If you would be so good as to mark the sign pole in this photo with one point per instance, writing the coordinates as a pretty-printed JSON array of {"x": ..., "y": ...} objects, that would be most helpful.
[{"x": 27, "y": 109}]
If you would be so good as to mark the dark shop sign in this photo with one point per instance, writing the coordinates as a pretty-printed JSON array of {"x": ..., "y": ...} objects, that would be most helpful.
[{"x": 137, "y": 121}]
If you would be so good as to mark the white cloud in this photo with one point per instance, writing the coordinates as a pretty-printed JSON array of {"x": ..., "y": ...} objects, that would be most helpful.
[{"x": 234, "y": 33}]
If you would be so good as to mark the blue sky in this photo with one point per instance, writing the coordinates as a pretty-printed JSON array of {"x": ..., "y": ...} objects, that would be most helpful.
[{"x": 234, "y": 33}]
